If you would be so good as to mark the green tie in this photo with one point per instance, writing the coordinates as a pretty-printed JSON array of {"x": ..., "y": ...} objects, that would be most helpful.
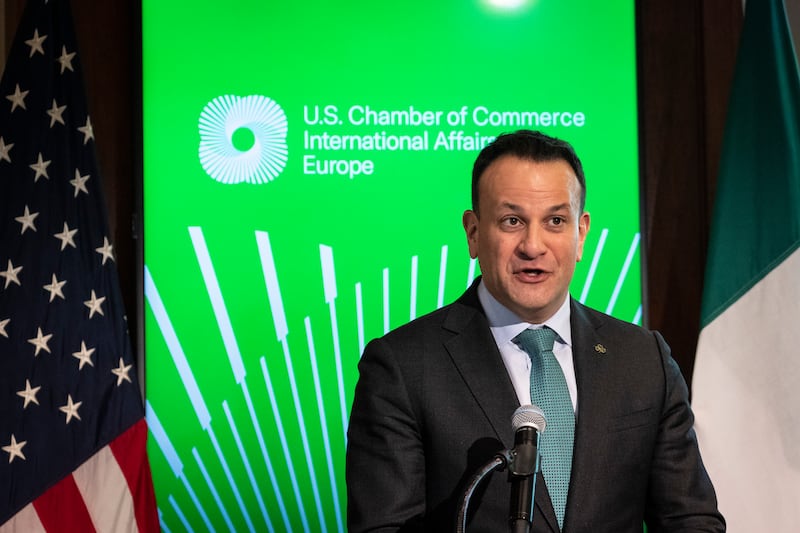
[{"x": 549, "y": 392}]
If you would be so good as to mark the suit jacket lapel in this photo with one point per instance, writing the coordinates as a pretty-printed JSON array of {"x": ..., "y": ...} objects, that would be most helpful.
[
  {"x": 475, "y": 355},
  {"x": 590, "y": 360}
]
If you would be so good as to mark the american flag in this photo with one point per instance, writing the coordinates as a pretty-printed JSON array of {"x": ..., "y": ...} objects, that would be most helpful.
[{"x": 72, "y": 429}]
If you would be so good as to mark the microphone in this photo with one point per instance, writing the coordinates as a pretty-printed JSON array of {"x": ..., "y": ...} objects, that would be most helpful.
[{"x": 528, "y": 422}]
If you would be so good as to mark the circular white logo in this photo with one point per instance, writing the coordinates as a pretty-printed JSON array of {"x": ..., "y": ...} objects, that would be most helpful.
[{"x": 243, "y": 139}]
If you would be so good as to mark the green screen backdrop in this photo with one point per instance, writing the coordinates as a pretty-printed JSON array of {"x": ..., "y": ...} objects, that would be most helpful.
[{"x": 306, "y": 166}]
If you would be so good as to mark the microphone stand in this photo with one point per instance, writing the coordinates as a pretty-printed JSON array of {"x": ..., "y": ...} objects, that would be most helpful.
[
  {"x": 522, "y": 475},
  {"x": 498, "y": 462},
  {"x": 523, "y": 466}
]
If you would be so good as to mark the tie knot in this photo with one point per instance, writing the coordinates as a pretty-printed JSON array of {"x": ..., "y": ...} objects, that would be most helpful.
[{"x": 536, "y": 341}]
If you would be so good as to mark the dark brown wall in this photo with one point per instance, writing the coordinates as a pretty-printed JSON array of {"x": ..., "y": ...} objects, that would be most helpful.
[{"x": 686, "y": 57}]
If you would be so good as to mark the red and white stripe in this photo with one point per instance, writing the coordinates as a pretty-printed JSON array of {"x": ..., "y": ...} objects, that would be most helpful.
[{"x": 111, "y": 492}]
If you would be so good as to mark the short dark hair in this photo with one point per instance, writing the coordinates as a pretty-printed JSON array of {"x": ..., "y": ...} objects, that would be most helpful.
[{"x": 530, "y": 145}]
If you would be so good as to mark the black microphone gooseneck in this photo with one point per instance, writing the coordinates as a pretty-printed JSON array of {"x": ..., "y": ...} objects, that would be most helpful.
[{"x": 528, "y": 423}]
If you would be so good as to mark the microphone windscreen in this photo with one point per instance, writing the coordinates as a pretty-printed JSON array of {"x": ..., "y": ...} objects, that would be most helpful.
[{"x": 528, "y": 416}]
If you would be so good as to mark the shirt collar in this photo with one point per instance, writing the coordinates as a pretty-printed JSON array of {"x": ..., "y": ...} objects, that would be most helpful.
[{"x": 506, "y": 325}]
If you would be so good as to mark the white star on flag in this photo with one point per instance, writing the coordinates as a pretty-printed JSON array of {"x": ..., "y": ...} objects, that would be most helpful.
[
  {"x": 55, "y": 288},
  {"x": 94, "y": 304},
  {"x": 66, "y": 237},
  {"x": 14, "y": 449},
  {"x": 71, "y": 409},
  {"x": 41, "y": 168},
  {"x": 3, "y": 324},
  {"x": 27, "y": 220},
  {"x": 4, "y": 149},
  {"x": 36, "y": 42},
  {"x": 122, "y": 372},
  {"x": 87, "y": 130},
  {"x": 79, "y": 183},
  {"x": 40, "y": 341},
  {"x": 65, "y": 59},
  {"x": 11, "y": 274},
  {"x": 17, "y": 98},
  {"x": 29, "y": 394},
  {"x": 56, "y": 112},
  {"x": 106, "y": 250},
  {"x": 84, "y": 356}
]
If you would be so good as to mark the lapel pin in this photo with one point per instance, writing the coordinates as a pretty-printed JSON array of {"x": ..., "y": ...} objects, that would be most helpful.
[{"x": 599, "y": 348}]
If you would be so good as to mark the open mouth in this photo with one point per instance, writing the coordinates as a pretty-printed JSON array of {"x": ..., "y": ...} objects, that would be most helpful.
[{"x": 532, "y": 272}]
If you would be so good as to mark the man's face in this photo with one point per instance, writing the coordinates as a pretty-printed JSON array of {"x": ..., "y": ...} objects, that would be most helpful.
[{"x": 529, "y": 234}]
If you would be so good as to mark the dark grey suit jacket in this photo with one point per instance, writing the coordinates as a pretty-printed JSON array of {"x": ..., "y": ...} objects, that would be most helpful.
[{"x": 434, "y": 403}]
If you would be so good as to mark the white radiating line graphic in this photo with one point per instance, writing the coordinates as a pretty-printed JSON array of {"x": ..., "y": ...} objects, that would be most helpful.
[
  {"x": 235, "y": 358},
  {"x": 180, "y": 514},
  {"x": 623, "y": 273},
  {"x": 473, "y": 266},
  {"x": 263, "y": 118},
  {"x": 276, "y": 414},
  {"x": 442, "y": 277},
  {"x": 360, "y": 320},
  {"x": 173, "y": 459},
  {"x": 164, "y": 528},
  {"x": 412, "y": 312},
  {"x": 385, "y": 300},
  {"x": 247, "y": 467},
  {"x": 329, "y": 285},
  {"x": 187, "y": 377},
  {"x": 281, "y": 328},
  {"x": 229, "y": 475},
  {"x": 214, "y": 493},
  {"x": 324, "y": 424},
  {"x": 175, "y": 350},
  {"x": 593, "y": 268},
  {"x": 637, "y": 318}
]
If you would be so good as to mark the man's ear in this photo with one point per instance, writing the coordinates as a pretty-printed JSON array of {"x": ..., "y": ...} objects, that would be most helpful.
[
  {"x": 470, "y": 222},
  {"x": 583, "y": 230}
]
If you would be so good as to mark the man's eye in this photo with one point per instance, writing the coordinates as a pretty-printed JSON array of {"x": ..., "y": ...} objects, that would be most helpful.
[
  {"x": 557, "y": 221},
  {"x": 512, "y": 221}
]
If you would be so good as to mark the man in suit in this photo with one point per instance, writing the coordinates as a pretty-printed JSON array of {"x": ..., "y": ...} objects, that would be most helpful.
[{"x": 435, "y": 397}]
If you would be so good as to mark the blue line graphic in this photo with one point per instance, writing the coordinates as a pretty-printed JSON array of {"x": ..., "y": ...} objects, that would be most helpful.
[
  {"x": 623, "y": 273},
  {"x": 282, "y": 330},
  {"x": 180, "y": 514},
  {"x": 282, "y": 435},
  {"x": 247, "y": 467},
  {"x": 271, "y": 280},
  {"x": 213, "y": 490},
  {"x": 442, "y": 277},
  {"x": 412, "y": 313},
  {"x": 161, "y": 522},
  {"x": 232, "y": 349},
  {"x": 324, "y": 424},
  {"x": 224, "y": 462},
  {"x": 360, "y": 320},
  {"x": 167, "y": 448},
  {"x": 473, "y": 264},
  {"x": 175, "y": 349},
  {"x": 385, "y": 300},
  {"x": 593, "y": 268},
  {"x": 187, "y": 377},
  {"x": 217, "y": 303},
  {"x": 637, "y": 319},
  {"x": 329, "y": 284},
  {"x": 270, "y": 471}
]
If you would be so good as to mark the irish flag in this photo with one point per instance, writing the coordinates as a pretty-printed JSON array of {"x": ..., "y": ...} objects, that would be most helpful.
[{"x": 746, "y": 384}]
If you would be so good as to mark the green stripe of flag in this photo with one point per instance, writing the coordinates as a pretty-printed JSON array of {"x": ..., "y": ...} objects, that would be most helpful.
[{"x": 756, "y": 222}]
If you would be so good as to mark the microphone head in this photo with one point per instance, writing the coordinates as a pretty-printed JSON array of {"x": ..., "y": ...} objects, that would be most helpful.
[{"x": 528, "y": 416}]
